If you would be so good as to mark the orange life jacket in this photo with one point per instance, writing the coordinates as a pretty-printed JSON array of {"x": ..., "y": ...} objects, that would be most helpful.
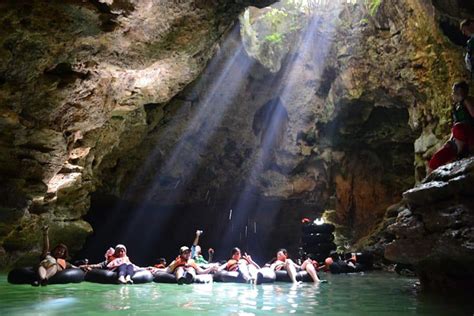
[
  {"x": 233, "y": 265},
  {"x": 159, "y": 266},
  {"x": 62, "y": 263},
  {"x": 180, "y": 262}
]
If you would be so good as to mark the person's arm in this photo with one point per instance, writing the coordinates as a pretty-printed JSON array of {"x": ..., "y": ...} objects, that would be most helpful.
[
  {"x": 171, "y": 267},
  {"x": 222, "y": 267},
  {"x": 45, "y": 241},
  {"x": 196, "y": 239},
  {"x": 212, "y": 268},
  {"x": 211, "y": 254},
  {"x": 89, "y": 267},
  {"x": 469, "y": 103},
  {"x": 250, "y": 261},
  {"x": 296, "y": 265}
]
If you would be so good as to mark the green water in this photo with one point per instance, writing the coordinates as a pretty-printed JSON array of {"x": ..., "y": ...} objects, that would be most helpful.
[{"x": 358, "y": 294}]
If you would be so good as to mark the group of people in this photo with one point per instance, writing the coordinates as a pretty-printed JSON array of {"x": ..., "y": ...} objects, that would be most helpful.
[
  {"x": 461, "y": 142},
  {"x": 185, "y": 267}
]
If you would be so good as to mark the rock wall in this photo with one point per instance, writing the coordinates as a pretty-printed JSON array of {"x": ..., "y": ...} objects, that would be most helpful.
[
  {"x": 74, "y": 79},
  {"x": 359, "y": 90},
  {"x": 434, "y": 231},
  {"x": 95, "y": 95}
]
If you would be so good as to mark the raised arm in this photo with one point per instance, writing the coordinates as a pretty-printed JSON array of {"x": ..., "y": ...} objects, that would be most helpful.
[
  {"x": 45, "y": 251},
  {"x": 211, "y": 254},
  {"x": 196, "y": 239}
]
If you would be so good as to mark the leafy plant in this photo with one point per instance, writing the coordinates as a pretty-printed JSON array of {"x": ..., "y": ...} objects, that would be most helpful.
[{"x": 373, "y": 6}]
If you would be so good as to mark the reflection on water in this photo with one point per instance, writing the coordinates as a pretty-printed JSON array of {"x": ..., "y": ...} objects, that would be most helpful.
[{"x": 359, "y": 294}]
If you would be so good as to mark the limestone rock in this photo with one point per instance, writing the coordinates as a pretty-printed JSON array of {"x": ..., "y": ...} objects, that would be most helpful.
[{"x": 437, "y": 229}]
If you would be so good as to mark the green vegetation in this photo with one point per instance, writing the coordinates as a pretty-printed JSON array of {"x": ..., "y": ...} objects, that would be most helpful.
[
  {"x": 373, "y": 6},
  {"x": 274, "y": 38}
]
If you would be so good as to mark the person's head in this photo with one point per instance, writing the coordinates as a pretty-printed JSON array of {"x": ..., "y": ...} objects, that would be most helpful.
[
  {"x": 328, "y": 262},
  {"x": 197, "y": 249},
  {"x": 467, "y": 27},
  {"x": 162, "y": 261},
  {"x": 185, "y": 252},
  {"x": 282, "y": 254},
  {"x": 109, "y": 253},
  {"x": 236, "y": 254},
  {"x": 460, "y": 91},
  {"x": 60, "y": 251},
  {"x": 120, "y": 251}
]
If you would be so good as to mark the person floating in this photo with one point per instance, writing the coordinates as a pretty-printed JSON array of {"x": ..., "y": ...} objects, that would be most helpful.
[
  {"x": 283, "y": 262},
  {"x": 462, "y": 132},
  {"x": 122, "y": 264},
  {"x": 109, "y": 256},
  {"x": 246, "y": 267},
  {"x": 184, "y": 268},
  {"x": 467, "y": 28},
  {"x": 51, "y": 262},
  {"x": 161, "y": 264},
  {"x": 196, "y": 252}
]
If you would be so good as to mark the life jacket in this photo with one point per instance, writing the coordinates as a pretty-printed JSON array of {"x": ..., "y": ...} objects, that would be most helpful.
[
  {"x": 180, "y": 262},
  {"x": 233, "y": 265},
  {"x": 159, "y": 266},
  {"x": 62, "y": 263},
  {"x": 461, "y": 114}
]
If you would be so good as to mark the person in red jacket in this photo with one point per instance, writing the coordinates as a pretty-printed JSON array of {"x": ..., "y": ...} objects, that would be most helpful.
[{"x": 462, "y": 132}]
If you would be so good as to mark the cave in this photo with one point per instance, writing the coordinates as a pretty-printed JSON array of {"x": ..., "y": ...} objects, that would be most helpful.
[{"x": 305, "y": 126}]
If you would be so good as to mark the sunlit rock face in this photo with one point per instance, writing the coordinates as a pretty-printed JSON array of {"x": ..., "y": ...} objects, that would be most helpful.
[
  {"x": 74, "y": 79},
  {"x": 98, "y": 96},
  {"x": 359, "y": 89}
]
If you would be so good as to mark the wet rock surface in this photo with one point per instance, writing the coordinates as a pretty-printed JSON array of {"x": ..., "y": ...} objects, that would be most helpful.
[
  {"x": 75, "y": 77},
  {"x": 435, "y": 233}
]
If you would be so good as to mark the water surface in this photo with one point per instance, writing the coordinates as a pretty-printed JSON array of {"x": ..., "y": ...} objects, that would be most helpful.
[{"x": 357, "y": 294}]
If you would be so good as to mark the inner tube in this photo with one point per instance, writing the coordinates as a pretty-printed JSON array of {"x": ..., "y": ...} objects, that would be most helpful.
[
  {"x": 110, "y": 277},
  {"x": 228, "y": 276},
  {"x": 203, "y": 278},
  {"x": 28, "y": 275},
  {"x": 342, "y": 267},
  {"x": 266, "y": 275},
  {"x": 164, "y": 277},
  {"x": 317, "y": 238},
  {"x": 303, "y": 276},
  {"x": 313, "y": 228}
]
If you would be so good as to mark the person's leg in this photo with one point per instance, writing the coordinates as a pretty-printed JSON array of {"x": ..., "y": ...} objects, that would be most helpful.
[
  {"x": 309, "y": 267},
  {"x": 244, "y": 271},
  {"x": 444, "y": 155},
  {"x": 179, "y": 274},
  {"x": 189, "y": 275},
  {"x": 42, "y": 272},
  {"x": 51, "y": 271},
  {"x": 121, "y": 271},
  {"x": 129, "y": 273},
  {"x": 291, "y": 270},
  {"x": 253, "y": 271}
]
